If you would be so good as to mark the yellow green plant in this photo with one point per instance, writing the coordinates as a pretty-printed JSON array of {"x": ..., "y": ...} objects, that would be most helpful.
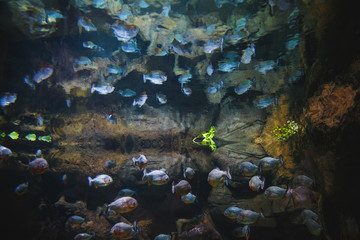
[
  {"x": 283, "y": 133},
  {"x": 207, "y": 138}
]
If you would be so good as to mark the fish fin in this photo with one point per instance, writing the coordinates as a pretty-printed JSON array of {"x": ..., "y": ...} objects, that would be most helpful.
[
  {"x": 228, "y": 173},
  {"x": 144, "y": 78},
  {"x": 90, "y": 181},
  {"x": 173, "y": 187},
  {"x": 92, "y": 89},
  {"x": 133, "y": 161},
  {"x": 184, "y": 175},
  {"x": 262, "y": 213}
]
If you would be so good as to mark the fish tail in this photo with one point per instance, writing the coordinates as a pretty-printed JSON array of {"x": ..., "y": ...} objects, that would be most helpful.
[
  {"x": 281, "y": 160},
  {"x": 90, "y": 181},
  {"x": 92, "y": 90},
  {"x": 144, "y": 174},
  {"x": 262, "y": 213},
  {"x": 144, "y": 78},
  {"x": 133, "y": 161},
  {"x": 263, "y": 183},
  {"x": 173, "y": 187},
  {"x": 134, "y": 103},
  {"x": 228, "y": 173}
]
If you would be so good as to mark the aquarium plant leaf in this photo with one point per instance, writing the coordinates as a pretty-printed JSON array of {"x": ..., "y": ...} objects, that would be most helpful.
[
  {"x": 13, "y": 135},
  {"x": 207, "y": 138},
  {"x": 31, "y": 137},
  {"x": 45, "y": 138}
]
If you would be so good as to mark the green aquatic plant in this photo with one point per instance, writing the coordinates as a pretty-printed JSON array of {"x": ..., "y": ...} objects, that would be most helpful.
[
  {"x": 13, "y": 135},
  {"x": 45, "y": 138},
  {"x": 207, "y": 138},
  {"x": 283, "y": 133},
  {"x": 3, "y": 134},
  {"x": 31, "y": 137}
]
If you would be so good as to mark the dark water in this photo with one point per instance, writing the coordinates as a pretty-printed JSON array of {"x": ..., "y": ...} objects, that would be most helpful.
[{"x": 290, "y": 34}]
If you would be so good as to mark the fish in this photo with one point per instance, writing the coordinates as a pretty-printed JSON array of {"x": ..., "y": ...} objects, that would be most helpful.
[
  {"x": 84, "y": 236},
  {"x": 189, "y": 173},
  {"x": 274, "y": 192},
  {"x": 76, "y": 220},
  {"x": 104, "y": 89},
  {"x": 179, "y": 48},
  {"x": 68, "y": 102},
  {"x": 127, "y": 93},
  {"x": 248, "y": 169},
  {"x": 308, "y": 214},
  {"x": 53, "y": 15},
  {"x": 29, "y": 82},
  {"x": 181, "y": 188},
  {"x": 130, "y": 46},
  {"x": 38, "y": 166},
  {"x": 155, "y": 77},
  {"x": 265, "y": 66},
  {"x": 244, "y": 86},
  {"x": 126, "y": 193},
  {"x": 236, "y": 37},
  {"x": 110, "y": 164},
  {"x": 264, "y": 101},
  {"x": 188, "y": 198},
  {"x": 124, "y": 32},
  {"x": 141, "y": 4},
  {"x": 217, "y": 177},
  {"x": 86, "y": 23},
  {"x": 249, "y": 217},
  {"x": 161, "y": 98},
  {"x": 302, "y": 180},
  {"x": 210, "y": 70},
  {"x": 92, "y": 46},
  {"x": 141, "y": 100},
  {"x": 124, "y": 13},
  {"x": 187, "y": 91},
  {"x": 115, "y": 69},
  {"x": 4, "y": 151},
  {"x": 40, "y": 120},
  {"x": 256, "y": 183},
  {"x": 43, "y": 73},
  {"x": 64, "y": 178},
  {"x": 166, "y": 9},
  {"x": 292, "y": 42},
  {"x": 123, "y": 230},
  {"x": 122, "y": 205},
  {"x": 140, "y": 162},
  {"x": 269, "y": 163},
  {"x": 155, "y": 177},
  {"x": 111, "y": 118},
  {"x": 228, "y": 66},
  {"x": 242, "y": 232},
  {"x": 185, "y": 78},
  {"x": 38, "y": 153},
  {"x": 82, "y": 63},
  {"x": 101, "y": 4},
  {"x": 302, "y": 197},
  {"x": 22, "y": 188},
  {"x": 314, "y": 227},
  {"x": 232, "y": 212},
  {"x": 7, "y": 98},
  {"x": 211, "y": 45},
  {"x": 163, "y": 237},
  {"x": 102, "y": 180},
  {"x": 247, "y": 53}
]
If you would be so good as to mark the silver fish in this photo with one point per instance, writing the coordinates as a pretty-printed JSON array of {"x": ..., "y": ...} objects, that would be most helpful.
[
  {"x": 155, "y": 177},
  {"x": 141, "y": 100},
  {"x": 232, "y": 212},
  {"x": 274, "y": 192},
  {"x": 247, "y": 54},
  {"x": 187, "y": 91},
  {"x": 210, "y": 70},
  {"x": 124, "y": 32},
  {"x": 22, "y": 188},
  {"x": 4, "y": 151},
  {"x": 161, "y": 98},
  {"x": 84, "y": 22},
  {"x": 248, "y": 169},
  {"x": 127, "y": 92},
  {"x": 140, "y": 162},
  {"x": 105, "y": 89},
  {"x": 84, "y": 236},
  {"x": 43, "y": 73},
  {"x": 155, "y": 77},
  {"x": 124, "y": 231},
  {"x": 29, "y": 82},
  {"x": 256, "y": 183},
  {"x": 188, "y": 198},
  {"x": 122, "y": 205},
  {"x": 102, "y": 180},
  {"x": 249, "y": 217},
  {"x": 217, "y": 177}
]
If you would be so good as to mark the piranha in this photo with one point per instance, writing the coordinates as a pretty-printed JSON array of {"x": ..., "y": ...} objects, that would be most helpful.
[
  {"x": 189, "y": 173},
  {"x": 269, "y": 163},
  {"x": 248, "y": 169},
  {"x": 110, "y": 164},
  {"x": 125, "y": 193},
  {"x": 314, "y": 227},
  {"x": 217, "y": 177},
  {"x": 84, "y": 22},
  {"x": 75, "y": 220},
  {"x": 122, "y": 205},
  {"x": 140, "y": 162},
  {"x": 161, "y": 98},
  {"x": 256, "y": 183},
  {"x": 43, "y": 73},
  {"x": 105, "y": 89},
  {"x": 141, "y": 100},
  {"x": 302, "y": 180},
  {"x": 127, "y": 92},
  {"x": 182, "y": 188},
  {"x": 84, "y": 236},
  {"x": 244, "y": 86},
  {"x": 4, "y": 151},
  {"x": 163, "y": 237},
  {"x": 155, "y": 177},
  {"x": 7, "y": 98},
  {"x": 188, "y": 198},
  {"x": 124, "y": 32},
  {"x": 22, "y": 188},
  {"x": 308, "y": 214},
  {"x": 102, "y": 180},
  {"x": 232, "y": 212},
  {"x": 38, "y": 166},
  {"x": 155, "y": 77},
  {"x": 125, "y": 231},
  {"x": 274, "y": 192},
  {"x": 242, "y": 232},
  {"x": 249, "y": 217}
]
